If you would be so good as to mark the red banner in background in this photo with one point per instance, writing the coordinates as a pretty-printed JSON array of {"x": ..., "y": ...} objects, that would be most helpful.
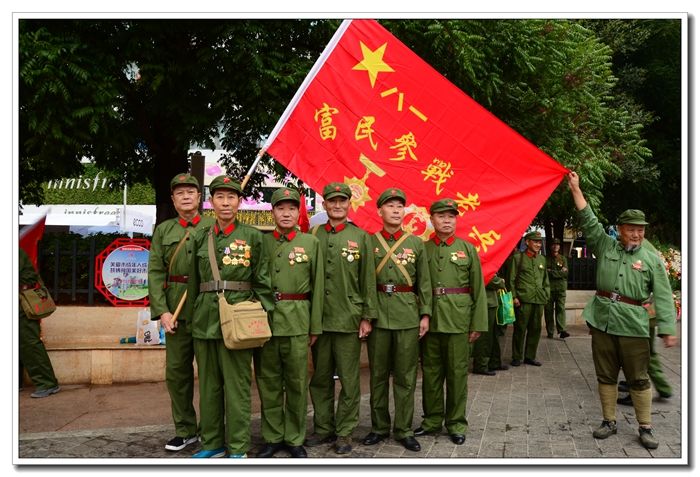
[
  {"x": 374, "y": 115},
  {"x": 29, "y": 238}
]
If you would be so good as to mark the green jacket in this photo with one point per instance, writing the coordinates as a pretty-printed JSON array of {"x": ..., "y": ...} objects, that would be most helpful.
[
  {"x": 402, "y": 311},
  {"x": 351, "y": 288},
  {"x": 296, "y": 267},
  {"x": 632, "y": 274},
  {"x": 528, "y": 279},
  {"x": 240, "y": 257},
  {"x": 164, "y": 296},
  {"x": 492, "y": 287},
  {"x": 557, "y": 277},
  {"x": 453, "y": 265}
]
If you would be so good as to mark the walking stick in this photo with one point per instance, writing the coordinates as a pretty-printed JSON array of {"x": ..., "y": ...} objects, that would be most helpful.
[{"x": 179, "y": 308}]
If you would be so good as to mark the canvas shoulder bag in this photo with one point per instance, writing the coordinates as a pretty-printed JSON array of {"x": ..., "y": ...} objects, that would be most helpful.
[{"x": 36, "y": 302}]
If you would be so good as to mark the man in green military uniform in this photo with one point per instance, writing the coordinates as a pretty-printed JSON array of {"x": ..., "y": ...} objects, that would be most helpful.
[
  {"x": 348, "y": 311},
  {"x": 558, "y": 271},
  {"x": 529, "y": 282},
  {"x": 487, "y": 349},
  {"x": 404, "y": 305},
  {"x": 32, "y": 352},
  {"x": 281, "y": 370},
  {"x": 224, "y": 374},
  {"x": 626, "y": 274},
  {"x": 459, "y": 315},
  {"x": 168, "y": 265}
]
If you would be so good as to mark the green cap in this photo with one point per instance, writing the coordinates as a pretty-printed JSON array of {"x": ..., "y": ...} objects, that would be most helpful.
[
  {"x": 184, "y": 179},
  {"x": 632, "y": 217},
  {"x": 534, "y": 235},
  {"x": 444, "y": 205},
  {"x": 225, "y": 182},
  {"x": 335, "y": 189},
  {"x": 556, "y": 241},
  {"x": 392, "y": 193},
  {"x": 284, "y": 193}
]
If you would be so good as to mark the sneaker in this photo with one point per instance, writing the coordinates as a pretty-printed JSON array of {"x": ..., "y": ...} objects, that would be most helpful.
[
  {"x": 606, "y": 429},
  {"x": 646, "y": 437},
  {"x": 238, "y": 456},
  {"x": 178, "y": 443},
  {"x": 42, "y": 393},
  {"x": 209, "y": 454}
]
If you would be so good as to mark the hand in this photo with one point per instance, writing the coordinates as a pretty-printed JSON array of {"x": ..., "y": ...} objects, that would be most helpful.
[
  {"x": 564, "y": 269},
  {"x": 168, "y": 324},
  {"x": 573, "y": 180},
  {"x": 669, "y": 341},
  {"x": 312, "y": 340},
  {"x": 473, "y": 336},
  {"x": 424, "y": 326},
  {"x": 365, "y": 329},
  {"x": 516, "y": 302}
]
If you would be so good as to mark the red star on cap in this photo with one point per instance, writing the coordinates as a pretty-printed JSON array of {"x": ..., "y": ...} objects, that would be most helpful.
[
  {"x": 337, "y": 187},
  {"x": 181, "y": 178},
  {"x": 226, "y": 180},
  {"x": 450, "y": 203},
  {"x": 286, "y": 192}
]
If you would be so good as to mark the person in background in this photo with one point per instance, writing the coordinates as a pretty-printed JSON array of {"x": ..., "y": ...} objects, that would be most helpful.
[
  {"x": 558, "y": 271},
  {"x": 487, "y": 349}
]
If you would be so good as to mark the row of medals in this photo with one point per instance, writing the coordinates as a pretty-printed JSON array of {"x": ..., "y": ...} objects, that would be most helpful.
[
  {"x": 403, "y": 261},
  {"x": 296, "y": 257},
  {"x": 238, "y": 258},
  {"x": 350, "y": 255}
]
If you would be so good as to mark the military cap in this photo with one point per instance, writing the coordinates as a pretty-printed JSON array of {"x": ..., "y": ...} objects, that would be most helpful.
[
  {"x": 444, "y": 205},
  {"x": 284, "y": 193},
  {"x": 534, "y": 235},
  {"x": 556, "y": 241},
  {"x": 336, "y": 189},
  {"x": 632, "y": 217},
  {"x": 225, "y": 182},
  {"x": 184, "y": 179},
  {"x": 392, "y": 193}
]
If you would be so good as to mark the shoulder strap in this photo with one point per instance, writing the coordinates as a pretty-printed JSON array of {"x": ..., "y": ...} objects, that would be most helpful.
[
  {"x": 314, "y": 230},
  {"x": 177, "y": 249},
  {"x": 389, "y": 253},
  {"x": 212, "y": 259}
]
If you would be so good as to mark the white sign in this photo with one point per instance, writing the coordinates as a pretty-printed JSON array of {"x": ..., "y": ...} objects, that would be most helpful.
[
  {"x": 135, "y": 221},
  {"x": 85, "y": 214}
]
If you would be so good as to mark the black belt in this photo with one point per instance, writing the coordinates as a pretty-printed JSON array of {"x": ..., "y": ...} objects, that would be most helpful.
[
  {"x": 451, "y": 291},
  {"x": 617, "y": 297},
  {"x": 221, "y": 285},
  {"x": 290, "y": 296},
  {"x": 390, "y": 288}
]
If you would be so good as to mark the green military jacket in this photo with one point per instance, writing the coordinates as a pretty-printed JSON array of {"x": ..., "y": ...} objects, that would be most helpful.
[
  {"x": 239, "y": 255},
  {"x": 492, "y": 287},
  {"x": 454, "y": 264},
  {"x": 351, "y": 288},
  {"x": 632, "y": 274},
  {"x": 402, "y": 310},
  {"x": 296, "y": 267},
  {"x": 557, "y": 277},
  {"x": 164, "y": 295},
  {"x": 528, "y": 279}
]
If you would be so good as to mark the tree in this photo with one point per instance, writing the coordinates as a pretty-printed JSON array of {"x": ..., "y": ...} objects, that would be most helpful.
[{"x": 136, "y": 94}]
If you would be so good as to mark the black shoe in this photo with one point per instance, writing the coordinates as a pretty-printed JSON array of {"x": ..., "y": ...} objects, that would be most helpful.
[
  {"x": 422, "y": 432},
  {"x": 316, "y": 440},
  {"x": 269, "y": 450},
  {"x": 563, "y": 334},
  {"x": 410, "y": 443},
  {"x": 485, "y": 373},
  {"x": 532, "y": 362},
  {"x": 457, "y": 439},
  {"x": 515, "y": 362},
  {"x": 343, "y": 445},
  {"x": 622, "y": 387},
  {"x": 297, "y": 451},
  {"x": 178, "y": 443},
  {"x": 503, "y": 367},
  {"x": 373, "y": 438},
  {"x": 625, "y": 401}
]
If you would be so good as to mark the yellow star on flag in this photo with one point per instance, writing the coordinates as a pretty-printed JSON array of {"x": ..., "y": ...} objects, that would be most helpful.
[{"x": 373, "y": 63}]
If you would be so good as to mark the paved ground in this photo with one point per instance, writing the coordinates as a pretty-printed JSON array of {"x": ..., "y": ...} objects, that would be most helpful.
[{"x": 543, "y": 412}]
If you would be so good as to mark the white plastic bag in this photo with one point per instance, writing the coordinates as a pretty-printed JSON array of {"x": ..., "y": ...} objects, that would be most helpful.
[{"x": 146, "y": 330}]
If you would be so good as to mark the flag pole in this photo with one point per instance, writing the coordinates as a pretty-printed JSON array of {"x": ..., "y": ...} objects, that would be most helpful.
[{"x": 297, "y": 97}]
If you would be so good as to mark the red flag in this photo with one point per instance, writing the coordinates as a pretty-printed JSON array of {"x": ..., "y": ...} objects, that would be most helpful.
[
  {"x": 29, "y": 238},
  {"x": 303, "y": 215},
  {"x": 374, "y": 115}
]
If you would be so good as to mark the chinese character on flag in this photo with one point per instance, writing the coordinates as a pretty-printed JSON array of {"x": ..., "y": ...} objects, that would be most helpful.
[{"x": 374, "y": 115}]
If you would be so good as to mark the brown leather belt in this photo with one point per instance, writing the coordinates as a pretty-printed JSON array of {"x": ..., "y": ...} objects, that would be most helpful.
[
  {"x": 178, "y": 278},
  {"x": 617, "y": 297},
  {"x": 390, "y": 288},
  {"x": 290, "y": 296},
  {"x": 221, "y": 285},
  {"x": 451, "y": 291}
]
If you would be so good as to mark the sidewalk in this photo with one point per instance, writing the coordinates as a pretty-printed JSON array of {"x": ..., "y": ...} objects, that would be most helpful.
[{"x": 543, "y": 412}]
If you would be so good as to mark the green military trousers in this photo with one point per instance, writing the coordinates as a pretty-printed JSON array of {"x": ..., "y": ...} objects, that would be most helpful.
[
  {"x": 445, "y": 361},
  {"x": 555, "y": 308},
  {"x": 336, "y": 353},
  {"x": 612, "y": 352},
  {"x": 281, "y": 371},
  {"x": 33, "y": 355},
  {"x": 487, "y": 350},
  {"x": 224, "y": 395},
  {"x": 393, "y": 353},
  {"x": 179, "y": 378},
  {"x": 526, "y": 330}
]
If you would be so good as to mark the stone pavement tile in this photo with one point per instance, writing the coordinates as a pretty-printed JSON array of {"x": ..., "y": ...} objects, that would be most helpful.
[
  {"x": 441, "y": 451},
  {"x": 563, "y": 451},
  {"x": 465, "y": 451},
  {"x": 515, "y": 451},
  {"x": 495, "y": 450}
]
